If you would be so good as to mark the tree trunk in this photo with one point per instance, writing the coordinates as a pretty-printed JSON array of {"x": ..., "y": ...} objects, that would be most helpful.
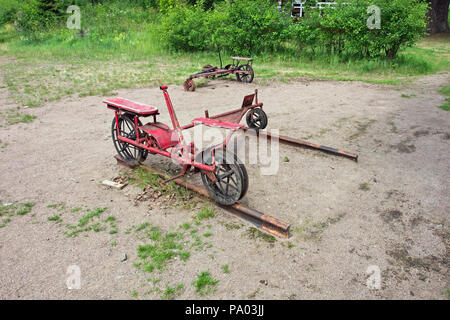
[{"x": 439, "y": 16}]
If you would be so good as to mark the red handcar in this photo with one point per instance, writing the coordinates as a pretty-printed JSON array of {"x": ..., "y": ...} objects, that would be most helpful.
[
  {"x": 243, "y": 71},
  {"x": 223, "y": 174}
]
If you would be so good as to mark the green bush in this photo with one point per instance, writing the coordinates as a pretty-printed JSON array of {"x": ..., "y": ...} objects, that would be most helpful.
[
  {"x": 343, "y": 30},
  {"x": 246, "y": 27},
  {"x": 8, "y": 11},
  {"x": 185, "y": 28}
]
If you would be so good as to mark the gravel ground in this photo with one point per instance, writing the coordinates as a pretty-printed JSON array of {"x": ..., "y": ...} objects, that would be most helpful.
[{"x": 388, "y": 212}]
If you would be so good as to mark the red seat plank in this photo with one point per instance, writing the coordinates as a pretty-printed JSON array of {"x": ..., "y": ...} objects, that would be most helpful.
[
  {"x": 215, "y": 123},
  {"x": 128, "y": 105}
]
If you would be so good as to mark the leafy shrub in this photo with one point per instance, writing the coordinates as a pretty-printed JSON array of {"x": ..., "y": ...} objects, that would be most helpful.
[
  {"x": 185, "y": 28},
  {"x": 245, "y": 27},
  {"x": 248, "y": 27},
  {"x": 343, "y": 30},
  {"x": 8, "y": 11}
]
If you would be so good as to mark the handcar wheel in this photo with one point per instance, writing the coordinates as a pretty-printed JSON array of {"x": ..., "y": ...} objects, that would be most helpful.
[
  {"x": 244, "y": 176},
  {"x": 189, "y": 85},
  {"x": 125, "y": 150},
  {"x": 245, "y": 77},
  {"x": 230, "y": 185},
  {"x": 259, "y": 120}
]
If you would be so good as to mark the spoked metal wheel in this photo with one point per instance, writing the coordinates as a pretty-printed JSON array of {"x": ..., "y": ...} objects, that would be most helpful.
[
  {"x": 247, "y": 76},
  {"x": 232, "y": 180},
  {"x": 127, "y": 130},
  {"x": 189, "y": 85},
  {"x": 259, "y": 119}
]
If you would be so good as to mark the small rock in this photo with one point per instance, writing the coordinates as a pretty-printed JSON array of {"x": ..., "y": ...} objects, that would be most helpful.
[
  {"x": 264, "y": 282},
  {"x": 124, "y": 257},
  {"x": 74, "y": 180}
]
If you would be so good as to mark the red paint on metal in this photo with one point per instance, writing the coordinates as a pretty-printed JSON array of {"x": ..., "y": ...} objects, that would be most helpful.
[
  {"x": 131, "y": 106},
  {"x": 215, "y": 123}
]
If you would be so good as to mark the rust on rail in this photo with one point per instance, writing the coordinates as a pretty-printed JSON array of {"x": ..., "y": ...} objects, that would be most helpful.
[
  {"x": 305, "y": 144},
  {"x": 261, "y": 220}
]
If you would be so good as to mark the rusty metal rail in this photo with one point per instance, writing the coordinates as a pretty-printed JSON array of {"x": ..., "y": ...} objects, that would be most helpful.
[
  {"x": 305, "y": 144},
  {"x": 263, "y": 221}
]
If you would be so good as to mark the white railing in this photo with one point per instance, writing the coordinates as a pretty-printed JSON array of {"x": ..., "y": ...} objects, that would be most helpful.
[{"x": 299, "y": 6}]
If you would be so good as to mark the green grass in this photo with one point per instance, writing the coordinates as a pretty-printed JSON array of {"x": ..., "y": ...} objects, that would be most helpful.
[
  {"x": 254, "y": 233},
  {"x": 24, "y": 208},
  {"x": 447, "y": 293},
  {"x": 14, "y": 116},
  {"x": 364, "y": 186},
  {"x": 91, "y": 221},
  {"x": 9, "y": 210},
  {"x": 226, "y": 269},
  {"x": 204, "y": 284},
  {"x": 205, "y": 212},
  {"x": 445, "y": 91},
  {"x": 56, "y": 218},
  {"x": 130, "y": 55},
  {"x": 172, "y": 292},
  {"x": 163, "y": 248},
  {"x": 178, "y": 196},
  {"x": 185, "y": 226},
  {"x": 288, "y": 244}
]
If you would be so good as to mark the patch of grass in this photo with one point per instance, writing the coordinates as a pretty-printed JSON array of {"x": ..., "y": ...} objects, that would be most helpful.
[
  {"x": 134, "y": 294},
  {"x": 9, "y": 210},
  {"x": 407, "y": 96},
  {"x": 76, "y": 209},
  {"x": 172, "y": 292},
  {"x": 288, "y": 244},
  {"x": 3, "y": 145},
  {"x": 178, "y": 196},
  {"x": 447, "y": 293},
  {"x": 204, "y": 284},
  {"x": 205, "y": 212},
  {"x": 364, "y": 186},
  {"x": 13, "y": 116},
  {"x": 24, "y": 208},
  {"x": 92, "y": 213},
  {"x": 446, "y": 105},
  {"x": 113, "y": 243},
  {"x": 286, "y": 159},
  {"x": 207, "y": 234},
  {"x": 90, "y": 221},
  {"x": 131, "y": 55},
  {"x": 56, "y": 218},
  {"x": 163, "y": 248},
  {"x": 232, "y": 226},
  {"x": 142, "y": 226},
  {"x": 186, "y": 226},
  {"x": 254, "y": 233},
  {"x": 226, "y": 269},
  {"x": 445, "y": 91}
]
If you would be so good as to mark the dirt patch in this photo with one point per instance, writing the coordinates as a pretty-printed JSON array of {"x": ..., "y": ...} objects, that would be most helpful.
[
  {"x": 405, "y": 147},
  {"x": 420, "y": 133},
  {"x": 64, "y": 154},
  {"x": 391, "y": 215}
]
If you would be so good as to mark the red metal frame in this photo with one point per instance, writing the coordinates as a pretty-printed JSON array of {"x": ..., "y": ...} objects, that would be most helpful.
[{"x": 173, "y": 139}]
